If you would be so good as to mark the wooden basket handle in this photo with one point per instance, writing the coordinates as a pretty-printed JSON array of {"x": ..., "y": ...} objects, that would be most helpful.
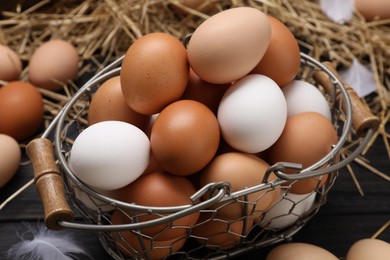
[
  {"x": 49, "y": 183},
  {"x": 362, "y": 118}
]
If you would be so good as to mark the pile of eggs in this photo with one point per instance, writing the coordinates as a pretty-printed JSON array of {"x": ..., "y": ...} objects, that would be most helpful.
[
  {"x": 51, "y": 65},
  {"x": 221, "y": 109}
]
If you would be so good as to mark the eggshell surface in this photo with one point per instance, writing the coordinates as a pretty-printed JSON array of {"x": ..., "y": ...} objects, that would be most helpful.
[
  {"x": 21, "y": 110},
  {"x": 369, "y": 248},
  {"x": 306, "y": 138},
  {"x": 241, "y": 171},
  {"x": 134, "y": 244},
  {"x": 287, "y": 210},
  {"x": 373, "y": 9},
  {"x": 281, "y": 62},
  {"x": 218, "y": 232},
  {"x": 185, "y": 137},
  {"x": 154, "y": 72},
  {"x": 252, "y": 113},
  {"x": 109, "y": 155},
  {"x": 108, "y": 103},
  {"x": 11, "y": 65},
  {"x": 229, "y": 44},
  {"x": 159, "y": 189},
  {"x": 302, "y": 96},
  {"x": 205, "y": 92},
  {"x": 299, "y": 251},
  {"x": 10, "y": 156},
  {"x": 53, "y": 64}
]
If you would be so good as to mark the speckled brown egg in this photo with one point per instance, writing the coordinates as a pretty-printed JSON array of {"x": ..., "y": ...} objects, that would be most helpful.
[
  {"x": 108, "y": 103},
  {"x": 21, "y": 110},
  {"x": 281, "y": 61},
  {"x": 154, "y": 72},
  {"x": 185, "y": 137}
]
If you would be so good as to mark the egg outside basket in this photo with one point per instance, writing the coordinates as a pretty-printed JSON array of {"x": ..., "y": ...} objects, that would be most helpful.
[{"x": 58, "y": 188}]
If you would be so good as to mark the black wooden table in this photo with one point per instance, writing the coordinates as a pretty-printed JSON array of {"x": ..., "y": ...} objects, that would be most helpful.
[{"x": 345, "y": 218}]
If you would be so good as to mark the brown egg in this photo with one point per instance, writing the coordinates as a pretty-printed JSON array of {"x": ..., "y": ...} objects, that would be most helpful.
[
  {"x": 299, "y": 251},
  {"x": 160, "y": 189},
  {"x": 53, "y": 64},
  {"x": 108, "y": 103},
  {"x": 229, "y": 44},
  {"x": 218, "y": 232},
  {"x": 207, "y": 93},
  {"x": 10, "y": 156},
  {"x": 185, "y": 137},
  {"x": 373, "y": 9},
  {"x": 241, "y": 171},
  {"x": 306, "y": 138},
  {"x": 10, "y": 65},
  {"x": 281, "y": 62},
  {"x": 134, "y": 244},
  {"x": 369, "y": 248},
  {"x": 154, "y": 72},
  {"x": 21, "y": 110}
]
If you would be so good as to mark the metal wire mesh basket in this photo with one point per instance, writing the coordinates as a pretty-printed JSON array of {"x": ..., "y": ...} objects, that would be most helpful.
[{"x": 59, "y": 188}]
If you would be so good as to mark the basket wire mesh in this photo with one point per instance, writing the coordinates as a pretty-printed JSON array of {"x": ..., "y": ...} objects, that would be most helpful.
[{"x": 255, "y": 228}]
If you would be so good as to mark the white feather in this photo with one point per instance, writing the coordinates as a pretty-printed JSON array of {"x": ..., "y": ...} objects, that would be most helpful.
[
  {"x": 361, "y": 78},
  {"x": 339, "y": 11},
  {"x": 45, "y": 245}
]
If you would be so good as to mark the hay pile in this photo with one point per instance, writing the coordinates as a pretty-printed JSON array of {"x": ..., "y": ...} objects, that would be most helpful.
[{"x": 103, "y": 30}]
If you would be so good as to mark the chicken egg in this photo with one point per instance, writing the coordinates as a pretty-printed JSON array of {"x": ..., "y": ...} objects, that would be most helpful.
[
  {"x": 229, "y": 44},
  {"x": 281, "y": 62},
  {"x": 287, "y": 210},
  {"x": 132, "y": 243},
  {"x": 373, "y": 9},
  {"x": 207, "y": 93},
  {"x": 21, "y": 110},
  {"x": 108, "y": 103},
  {"x": 109, "y": 155},
  {"x": 299, "y": 251},
  {"x": 369, "y": 248},
  {"x": 301, "y": 96},
  {"x": 241, "y": 171},
  {"x": 11, "y": 65},
  {"x": 252, "y": 113},
  {"x": 54, "y": 63},
  {"x": 216, "y": 232},
  {"x": 301, "y": 143},
  {"x": 154, "y": 72},
  {"x": 10, "y": 156},
  {"x": 185, "y": 137},
  {"x": 159, "y": 189}
]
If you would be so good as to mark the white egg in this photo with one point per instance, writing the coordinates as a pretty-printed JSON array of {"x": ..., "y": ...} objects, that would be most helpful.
[
  {"x": 287, "y": 210},
  {"x": 252, "y": 113},
  {"x": 302, "y": 96},
  {"x": 109, "y": 155}
]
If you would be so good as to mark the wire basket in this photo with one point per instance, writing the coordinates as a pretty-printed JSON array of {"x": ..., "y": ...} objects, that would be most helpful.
[{"x": 58, "y": 188}]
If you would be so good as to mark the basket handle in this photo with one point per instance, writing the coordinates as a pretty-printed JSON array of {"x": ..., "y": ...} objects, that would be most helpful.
[
  {"x": 49, "y": 183},
  {"x": 362, "y": 119}
]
